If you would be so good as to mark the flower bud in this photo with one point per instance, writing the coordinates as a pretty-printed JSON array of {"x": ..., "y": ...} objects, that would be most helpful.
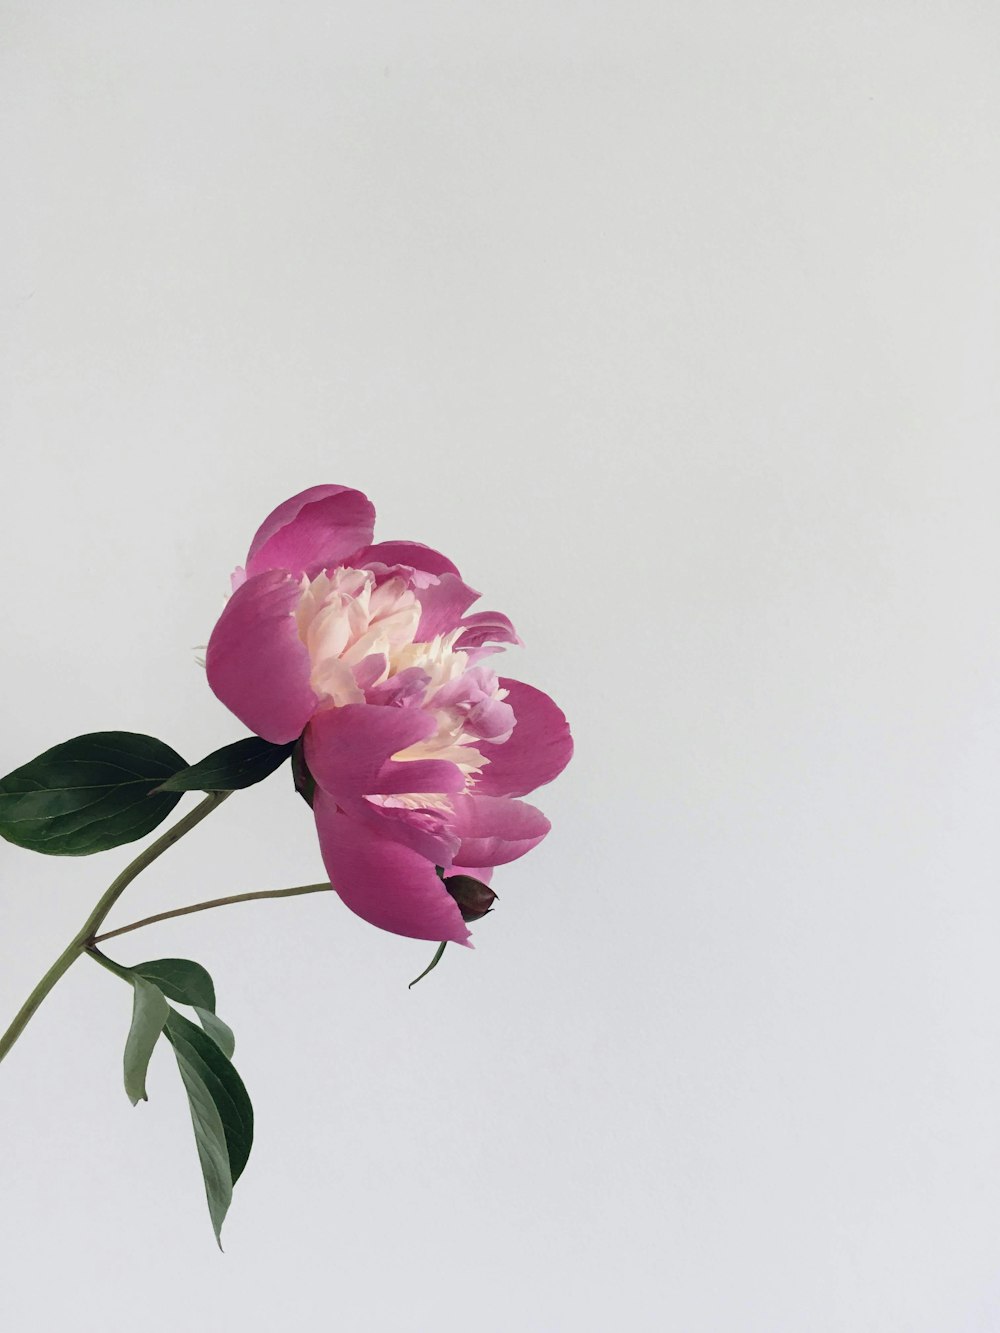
[{"x": 474, "y": 898}]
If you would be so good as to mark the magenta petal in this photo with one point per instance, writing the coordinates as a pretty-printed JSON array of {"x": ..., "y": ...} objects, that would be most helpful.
[
  {"x": 348, "y": 751},
  {"x": 443, "y": 603},
  {"x": 425, "y": 831},
  {"x": 414, "y": 554},
  {"x": 483, "y": 873},
  {"x": 257, "y": 664},
  {"x": 537, "y": 751},
  {"x": 316, "y": 529},
  {"x": 495, "y": 829},
  {"x": 387, "y": 884},
  {"x": 486, "y": 627}
]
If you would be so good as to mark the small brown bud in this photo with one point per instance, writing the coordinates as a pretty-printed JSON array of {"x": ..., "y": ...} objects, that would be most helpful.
[{"x": 474, "y": 898}]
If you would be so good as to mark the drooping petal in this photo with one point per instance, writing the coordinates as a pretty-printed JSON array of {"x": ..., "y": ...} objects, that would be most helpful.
[
  {"x": 256, "y": 663},
  {"x": 443, "y": 603},
  {"x": 495, "y": 829},
  {"x": 485, "y": 627},
  {"x": 537, "y": 751},
  {"x": 414, "y": 554},
  {"x": 387, "y": 884},
  {"x": 314, "y": 530},
  {"x": 349, "y": 749}
]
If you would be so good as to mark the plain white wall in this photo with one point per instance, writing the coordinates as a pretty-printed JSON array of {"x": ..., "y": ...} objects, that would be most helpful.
[{"x": 676, "y": 325}]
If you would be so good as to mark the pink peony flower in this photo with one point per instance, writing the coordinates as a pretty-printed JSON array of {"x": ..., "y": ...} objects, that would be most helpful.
[{"x": 418, "y": 749}]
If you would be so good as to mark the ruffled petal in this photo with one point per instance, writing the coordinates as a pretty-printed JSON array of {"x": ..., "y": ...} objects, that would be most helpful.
[
  {"x": 348, "y": 751},
  {"x": 389, "y": 885},
  {"x": 487, "y": 627},
  {"x": 495, "y": 829},
  {"x": 256, "y": 663},
  {"x": 413, "y": 554},
  {"x": 316, "y": 529},
  {"x": 537, "y": 751}
]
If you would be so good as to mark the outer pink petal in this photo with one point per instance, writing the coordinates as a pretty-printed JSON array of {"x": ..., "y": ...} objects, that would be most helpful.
[
  {"x": 256, "y": 662},
  {"x": 348, "y": 751},
  {"x": 314, "y": 530},
  {"x": 483, "y": 873},
  {"x": 443, "y": 603},
  {"x": 387, "y": 884},
  {"x": 424, "y": 831},
  {"x": 538, "y": 750},
  {"x": 495, "y": 829},
  {"x": 414, "y": 554}
]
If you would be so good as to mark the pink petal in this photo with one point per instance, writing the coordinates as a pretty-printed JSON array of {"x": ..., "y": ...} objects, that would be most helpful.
[
  {"x": 443, "y": 604},
  {"x": 424, "y": 831},
  {"x": 256, "y": 663},
  {"x": 348, "y": 751},
  {"x": 538, "y": 750},
  {"x": 483, "y": 873},
  {"x": 414, "y": 554},
  {"x": 316, "y": 529},
  {"x": 487, "y": 627},
  {"x": 495, "y": 829},
  {"x": 389, "y": 885}
]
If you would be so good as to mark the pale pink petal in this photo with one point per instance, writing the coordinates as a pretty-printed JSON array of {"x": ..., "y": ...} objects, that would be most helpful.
[
  {"x": 486, "y": 627},
  {"x": 407, "y": 687},
  {"x": 495, "y": 829},
  {"x": 255, "y": 661},
  {"x": 413, "y": 554},
  {"x": 348, "y": 752},
  {"x": 537, "y": 751},
  {"x": 387, "y": 884},
  {"x": 368, "y": 670},
  {"x": 442, "y": 603},
  {"x": 314, "y": 530}
]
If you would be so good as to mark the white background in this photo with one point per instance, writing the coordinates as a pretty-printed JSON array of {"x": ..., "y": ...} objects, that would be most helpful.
[{"x": 676, "y": 326}]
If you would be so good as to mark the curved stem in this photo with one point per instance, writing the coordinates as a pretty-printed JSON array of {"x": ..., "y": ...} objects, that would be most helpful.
[
  {"x": 213, "y": 902},
  {"x": 104, "y": 905},
  {"x": 430, "y": 966}
]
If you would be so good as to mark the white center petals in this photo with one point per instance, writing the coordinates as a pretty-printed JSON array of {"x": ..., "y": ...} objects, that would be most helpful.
[{"x": 360, "y": 636}]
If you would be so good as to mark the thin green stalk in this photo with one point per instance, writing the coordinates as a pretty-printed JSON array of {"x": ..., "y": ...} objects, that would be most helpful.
[
  {"x": 108, "y": 899},
  {"x": 214, "y": 902},
  {"x": 430, "y": 966}
]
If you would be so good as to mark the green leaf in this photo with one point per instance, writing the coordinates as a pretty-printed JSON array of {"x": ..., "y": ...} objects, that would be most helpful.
[
  {"x": 220, "y": 1112},
  {"x": 186, "y": 982},
  {"x": 181, "y": 980},
  {"x": 242, "y": 764},
  {"x": 89, "y": 794},
  {"x": 220, "y": 1032},
  {"x": 149, "y": 1013}
]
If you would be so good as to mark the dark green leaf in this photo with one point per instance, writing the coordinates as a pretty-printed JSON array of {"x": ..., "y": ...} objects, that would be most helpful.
[
  {"x": 220, "y": 1112},
  {"x": 149, "y": 1013},
  {"x": 181, "y": 980},
  {"x": 89, "y": 794},
  {"x": 235, "y": 766}
]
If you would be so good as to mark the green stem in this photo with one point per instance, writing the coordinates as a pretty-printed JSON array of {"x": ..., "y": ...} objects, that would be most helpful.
[
  {"x": 93, "y": 952},
  {"x": 214, "y": 902},
  {"x": 430, "y": 966},
  {"x": 108, "y": 899}
]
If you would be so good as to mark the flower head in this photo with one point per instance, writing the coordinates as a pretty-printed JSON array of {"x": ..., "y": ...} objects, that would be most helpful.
[{"x": 417, "y": 748}]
